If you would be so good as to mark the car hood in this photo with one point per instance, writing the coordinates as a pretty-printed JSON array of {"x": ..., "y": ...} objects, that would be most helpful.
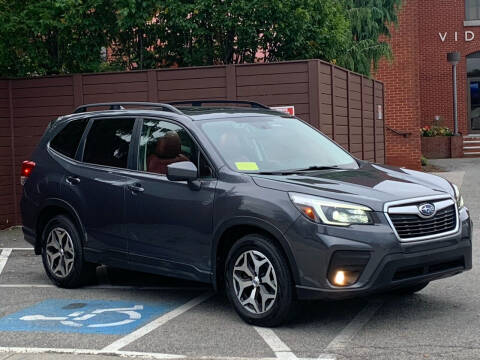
[{"x": 372, "y": 185}]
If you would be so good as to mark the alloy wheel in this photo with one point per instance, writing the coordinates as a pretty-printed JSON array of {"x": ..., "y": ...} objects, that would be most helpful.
[
  {"x": 255, "y": 282},
  {"x": 60, "y": 252}
]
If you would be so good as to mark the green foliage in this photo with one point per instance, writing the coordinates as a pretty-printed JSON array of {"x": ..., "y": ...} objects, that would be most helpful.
[
  {"x": 52, "y": 36},
  {"x": 206, "y": 32},
  {"x": 63, "y": 36},
  {"x": 435, "y": 130},
  {"x": 369, "y": 22},
  {"x": 424, "y": 161}
]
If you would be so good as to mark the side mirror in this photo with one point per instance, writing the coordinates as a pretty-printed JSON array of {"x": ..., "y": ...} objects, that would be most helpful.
[{"x": 182, "y": 171}]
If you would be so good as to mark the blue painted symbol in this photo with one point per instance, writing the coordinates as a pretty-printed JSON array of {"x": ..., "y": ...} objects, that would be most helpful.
[{"x": 84, "y": 316}]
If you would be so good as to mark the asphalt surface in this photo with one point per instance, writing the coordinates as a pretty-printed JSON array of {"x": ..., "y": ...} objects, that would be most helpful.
[{"x": 185, "y": 319}]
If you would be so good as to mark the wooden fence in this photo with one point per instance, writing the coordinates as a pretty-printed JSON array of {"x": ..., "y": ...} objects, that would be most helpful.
[{"x": 346, "y": 106}]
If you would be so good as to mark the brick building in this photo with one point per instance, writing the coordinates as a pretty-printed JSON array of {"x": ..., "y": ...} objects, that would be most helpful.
[{"x": 418, "y": 82}]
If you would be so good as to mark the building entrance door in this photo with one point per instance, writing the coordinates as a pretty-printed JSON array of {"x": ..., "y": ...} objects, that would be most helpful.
[
  {"x": 474, "y": 105},
  {"x": 473, "y": 91}
]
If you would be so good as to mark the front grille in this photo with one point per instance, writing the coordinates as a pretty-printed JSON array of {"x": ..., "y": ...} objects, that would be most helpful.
[{"x": 412, "y": 226}]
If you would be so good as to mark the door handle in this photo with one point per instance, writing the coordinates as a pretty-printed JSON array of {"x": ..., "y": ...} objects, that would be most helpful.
[
  {"x": 72, "y": 180},
  {"x": 137, "y": 188}
]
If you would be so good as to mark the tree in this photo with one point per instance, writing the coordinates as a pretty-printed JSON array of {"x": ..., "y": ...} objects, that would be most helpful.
[
  {"x": 52, "y": 36},
  {"x": 369, "y": 23},
  {"x": 63, "y": 36},
  {"x": 134, "y": 34},
  {"x": 205, "y": 32}
]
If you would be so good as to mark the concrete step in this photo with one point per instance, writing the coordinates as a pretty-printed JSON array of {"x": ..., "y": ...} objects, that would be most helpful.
[
  {"x": 471, "y": 146},
  {"x": 471, "y": 154}
]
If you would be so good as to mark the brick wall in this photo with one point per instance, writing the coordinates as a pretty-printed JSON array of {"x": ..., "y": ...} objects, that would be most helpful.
[
  {"x": 418, "y": 83},
  {"x": 435, "y": 72},
  {"x": 402, "y": 90}
]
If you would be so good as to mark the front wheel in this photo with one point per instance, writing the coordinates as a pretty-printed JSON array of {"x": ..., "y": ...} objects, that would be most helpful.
[{"x": 258, "y": 281}]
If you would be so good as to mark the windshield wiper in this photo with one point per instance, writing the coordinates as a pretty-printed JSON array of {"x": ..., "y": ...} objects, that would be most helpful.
[
  {"x": 287, "y": 172},
  {"x": 313, "y": 168},
  {"x": 297, "y": 171}
]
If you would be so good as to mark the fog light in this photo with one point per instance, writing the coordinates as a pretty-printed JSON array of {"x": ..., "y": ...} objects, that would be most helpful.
[
  {"x": 339, "y": 278},
  {"x": 345, "y": 277},
  {"x": 347, "y": 266}
]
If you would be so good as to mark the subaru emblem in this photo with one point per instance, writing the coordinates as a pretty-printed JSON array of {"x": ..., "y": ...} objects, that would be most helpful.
[{"x": 426, "y": 210}]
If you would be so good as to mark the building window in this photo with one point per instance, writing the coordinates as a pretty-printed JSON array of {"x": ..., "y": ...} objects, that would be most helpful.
[
  {"x": 472, "y": 10},
  {"x": 473, "y": 65}
]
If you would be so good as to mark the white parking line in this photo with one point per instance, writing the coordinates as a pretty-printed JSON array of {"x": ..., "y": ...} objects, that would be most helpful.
[
  {"x": 281, "y": 350},
  {"x": 17, "y": 249},
  {"x": 26, "y": 286},
  {"x": 126, "y": 354},
  {"x": 144, "y": 330},
  {"x": 22, "y": 350},
  {"x": 111, "y": 287},
  {"x": 4, "y": 258},
  {"x": 342, "y": 340}
]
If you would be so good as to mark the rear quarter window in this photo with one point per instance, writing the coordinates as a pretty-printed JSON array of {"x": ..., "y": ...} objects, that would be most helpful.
[{"x": 67, "y": 140}]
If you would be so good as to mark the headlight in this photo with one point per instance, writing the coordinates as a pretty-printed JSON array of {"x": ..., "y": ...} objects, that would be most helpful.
[
  {"x": 458, "y": 196},
  {"x": 331, "y": 212}
]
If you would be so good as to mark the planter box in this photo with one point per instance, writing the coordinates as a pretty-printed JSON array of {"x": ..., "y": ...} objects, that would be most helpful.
[{"x": 442, "y": 147}]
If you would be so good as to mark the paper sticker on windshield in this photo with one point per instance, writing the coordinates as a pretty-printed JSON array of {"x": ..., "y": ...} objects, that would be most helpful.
[{"x": 246, "y": 166}]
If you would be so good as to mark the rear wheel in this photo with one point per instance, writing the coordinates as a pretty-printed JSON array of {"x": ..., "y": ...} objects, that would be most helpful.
[
  {"x": 62, "y": 254},
  {"x": 258, "y": 281}
]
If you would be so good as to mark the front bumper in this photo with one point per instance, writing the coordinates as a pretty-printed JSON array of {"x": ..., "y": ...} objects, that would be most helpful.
[{"x": 392, "y": 264}]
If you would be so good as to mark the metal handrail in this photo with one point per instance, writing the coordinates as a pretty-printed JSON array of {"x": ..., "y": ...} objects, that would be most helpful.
[
  {"x": 199, "y": 103},
  {"x": 118, "y": 106},
  {"x": 404, "y": 134}
]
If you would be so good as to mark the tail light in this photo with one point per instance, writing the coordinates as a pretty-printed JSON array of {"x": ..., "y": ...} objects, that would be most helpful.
[{"x": 27, "y": 168}]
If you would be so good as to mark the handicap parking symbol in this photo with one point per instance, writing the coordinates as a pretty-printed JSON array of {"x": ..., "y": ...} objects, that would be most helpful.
[{"x": 84, "y": 316}]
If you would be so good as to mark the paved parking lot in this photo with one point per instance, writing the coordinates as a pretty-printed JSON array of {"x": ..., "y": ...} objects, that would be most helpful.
[{"x": 135, "y": 314}]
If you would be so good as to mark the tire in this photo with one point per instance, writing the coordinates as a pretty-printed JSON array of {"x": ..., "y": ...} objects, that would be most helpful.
[
  {"x": 409, "y": 290},
  {"x": 62, "y": 254},
  {"x": 272, "y": 305}
]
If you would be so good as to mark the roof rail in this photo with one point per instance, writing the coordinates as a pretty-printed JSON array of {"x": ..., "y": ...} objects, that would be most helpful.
[
  {"x": 118, "y": 106},
  {"x": 195, "y": 103}
]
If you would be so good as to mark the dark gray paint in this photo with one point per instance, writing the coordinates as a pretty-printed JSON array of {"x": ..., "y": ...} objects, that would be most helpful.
[{"x": 174, "y": 229}]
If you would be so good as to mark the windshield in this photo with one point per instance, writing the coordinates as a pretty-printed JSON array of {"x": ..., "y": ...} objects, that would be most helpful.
[{"x": 274, "y": 144}]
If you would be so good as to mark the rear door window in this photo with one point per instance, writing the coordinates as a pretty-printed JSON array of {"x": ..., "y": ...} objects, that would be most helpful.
[
  {"x": 67, "y": 140},
  {"x": 108, "y": 142}
]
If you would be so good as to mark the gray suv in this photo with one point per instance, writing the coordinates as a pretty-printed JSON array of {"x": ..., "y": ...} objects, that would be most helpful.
[{"x": 255, "y": 202}]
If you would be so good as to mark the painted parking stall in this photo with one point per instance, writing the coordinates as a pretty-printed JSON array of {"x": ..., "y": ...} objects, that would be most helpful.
[
  {"x": 168, "y": 322},
  {"x": 144, "y": 322},
  {"x": 84, "y": 317}
]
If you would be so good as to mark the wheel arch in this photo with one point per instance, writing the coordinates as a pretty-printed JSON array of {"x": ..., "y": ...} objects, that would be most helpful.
[
  {"x": 51, "y": 208},
  {"x": 235, "y": 229}
]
